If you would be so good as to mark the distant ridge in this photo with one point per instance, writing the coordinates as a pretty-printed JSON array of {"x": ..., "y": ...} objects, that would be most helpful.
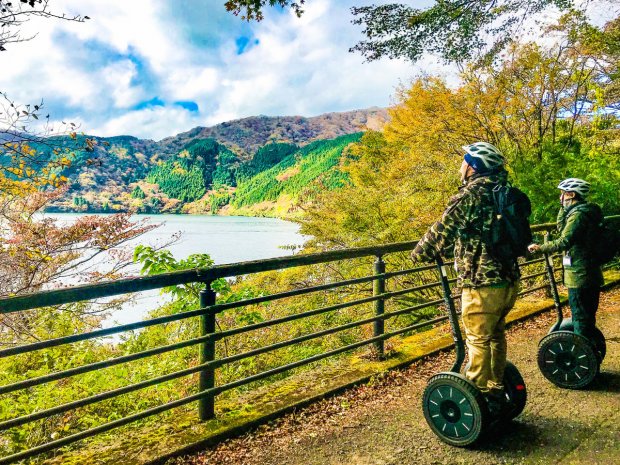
[{"x": 247, "y": 135}]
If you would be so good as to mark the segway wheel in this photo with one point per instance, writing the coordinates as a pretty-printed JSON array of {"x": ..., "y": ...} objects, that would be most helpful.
[
  {"x": 454, "y": 409},
  {"x": 600, "y": 344},
  {"x": 598, "y": 338},
  {"x": 516, "y": 391},
  {"x": 568, "y": 360}
]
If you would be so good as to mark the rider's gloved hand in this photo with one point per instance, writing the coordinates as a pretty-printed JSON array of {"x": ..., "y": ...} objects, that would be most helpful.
[{"x": 533, "y": 248}]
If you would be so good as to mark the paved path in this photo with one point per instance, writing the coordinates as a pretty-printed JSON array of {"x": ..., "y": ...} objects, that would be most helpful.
[{"x": 382, "y": 423}]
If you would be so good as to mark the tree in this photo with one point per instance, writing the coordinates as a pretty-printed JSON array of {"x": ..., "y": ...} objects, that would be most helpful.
[
  {"x": 23, "y": 129},
  {"x": 13, "y": 14},
  {"x": 546, "y": 109},
  {"x": 454, "y": 29},
  {"x": 30, "y": 156},
  {"x": 36, "y": 252},
  {"x": 253, "y": 9},
  {"x": 41, "y": 253},
  {"x": 457, "y": 30}
]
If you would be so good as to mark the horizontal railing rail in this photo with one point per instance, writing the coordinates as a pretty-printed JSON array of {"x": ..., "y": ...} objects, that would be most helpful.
[{"x": 208, "y": 312}]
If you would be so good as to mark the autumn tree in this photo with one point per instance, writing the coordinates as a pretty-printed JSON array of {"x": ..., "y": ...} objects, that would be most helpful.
[
  {"x": 23, "y": 128},
  {"x": 456, "y": 30},
  {"x": 13, "y": 15},
  {"x": 38, "y": 252},
  {"x": 547, "y": 109}
]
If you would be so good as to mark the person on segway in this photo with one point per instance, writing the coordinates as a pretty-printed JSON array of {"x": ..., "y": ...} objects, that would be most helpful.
[
  {"x": 489, "y": 283},
  {"x": 577, "y": 224}
]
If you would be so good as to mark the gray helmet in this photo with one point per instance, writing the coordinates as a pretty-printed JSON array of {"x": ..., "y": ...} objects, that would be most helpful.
[
  {"x": 576, "y": 185},
  {"x": 483, "y": 156}
]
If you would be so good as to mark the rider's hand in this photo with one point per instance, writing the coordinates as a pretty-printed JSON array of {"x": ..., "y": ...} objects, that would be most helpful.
[{"x": 533, "y": 248}]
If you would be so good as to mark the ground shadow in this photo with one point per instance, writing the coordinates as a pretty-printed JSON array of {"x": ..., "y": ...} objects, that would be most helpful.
[
  {"x": 515, "y": 436},
  {"x": 544, "y": 440},
  {"x": 606, "y": 381}
]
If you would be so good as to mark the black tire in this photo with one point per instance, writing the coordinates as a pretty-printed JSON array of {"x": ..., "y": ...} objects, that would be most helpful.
[
  {"x": 598, "y": 337},
  {"x": 516, "y": 391},
  {"x": 568, "y": 360},
  {"x": 454, "y": 409},
  {"x": 600, "y": 344}
]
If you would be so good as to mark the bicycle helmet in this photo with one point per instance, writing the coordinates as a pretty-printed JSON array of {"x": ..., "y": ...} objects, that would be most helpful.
[
  {"x": 483, "y": 157},
  {"x": 579, "y": 186}
]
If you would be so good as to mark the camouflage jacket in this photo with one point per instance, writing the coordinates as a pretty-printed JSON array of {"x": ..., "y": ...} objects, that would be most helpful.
[
  {"x": 462, "y": 227},
  {"x": 577, "y": 234}
]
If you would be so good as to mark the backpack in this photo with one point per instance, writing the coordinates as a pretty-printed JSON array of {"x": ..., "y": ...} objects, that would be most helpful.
[
  {"x": 510, "y": 232},
  {"x": 607, "y": 242}
]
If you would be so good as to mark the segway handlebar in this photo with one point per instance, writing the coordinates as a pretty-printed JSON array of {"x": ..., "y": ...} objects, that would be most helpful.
[
  {"x": 554, "y": 288},
  {"x": 453, "y": 317}
]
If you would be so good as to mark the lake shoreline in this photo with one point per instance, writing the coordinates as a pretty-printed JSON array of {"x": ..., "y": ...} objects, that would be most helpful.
[
  {"x": 246, "y": 212},
  {"x": 226, "y": 239}
]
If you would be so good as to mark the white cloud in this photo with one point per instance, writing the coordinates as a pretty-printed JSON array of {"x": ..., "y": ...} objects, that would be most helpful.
[
  {"x": 140, "y": 25},
  {"x": 133, "y": 52},
  {"x": 149, "y": 123},
  {"x": 302, "y": 66},
  {"x": 117, "y": 78},
  {"x": 190, "y": 83}
]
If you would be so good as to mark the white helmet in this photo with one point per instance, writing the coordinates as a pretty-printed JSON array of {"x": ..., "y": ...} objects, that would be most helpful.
[
  {"x": 483, "y": 156},
  {"x": 576, "y": 185}
]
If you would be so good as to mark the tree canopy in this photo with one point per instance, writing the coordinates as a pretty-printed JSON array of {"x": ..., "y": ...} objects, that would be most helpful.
[
  {"x": 548, "y": 109},
  {"x": 13, "y": 14},
  {"x": 456, "y": 30},
  {"x": 253, "y": 9}
]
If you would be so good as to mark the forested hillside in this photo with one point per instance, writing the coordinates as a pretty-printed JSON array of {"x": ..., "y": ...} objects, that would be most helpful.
[
  {"x": 299, "y": 176},
  {"x": 199, "y": 171}
]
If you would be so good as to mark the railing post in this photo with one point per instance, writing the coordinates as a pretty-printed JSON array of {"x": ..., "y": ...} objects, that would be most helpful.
[
  {"x": 378, "y": 288},
  {"x": 206, "y": 405}
]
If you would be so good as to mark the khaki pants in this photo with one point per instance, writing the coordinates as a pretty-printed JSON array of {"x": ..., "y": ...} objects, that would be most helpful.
[{"x": 484, "y": 317}]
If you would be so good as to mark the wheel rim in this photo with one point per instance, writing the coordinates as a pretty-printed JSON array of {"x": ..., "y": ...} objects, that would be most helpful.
[
  {"x": 567, "y": 362},
  {"x": 451, "y": 412}
]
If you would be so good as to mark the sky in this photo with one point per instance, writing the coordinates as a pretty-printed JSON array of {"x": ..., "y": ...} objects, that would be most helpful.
[{"x": 154, "y": 68}]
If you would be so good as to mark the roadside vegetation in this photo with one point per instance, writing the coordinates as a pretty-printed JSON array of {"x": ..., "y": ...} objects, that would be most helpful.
[{"x": 552, "y": 110}]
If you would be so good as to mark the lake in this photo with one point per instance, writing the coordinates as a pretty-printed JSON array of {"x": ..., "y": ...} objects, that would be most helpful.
[{"x": 227, "y": 239}]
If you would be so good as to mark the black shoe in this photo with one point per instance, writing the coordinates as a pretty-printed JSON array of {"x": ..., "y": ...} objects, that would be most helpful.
[{"x": 496, "y": 402}]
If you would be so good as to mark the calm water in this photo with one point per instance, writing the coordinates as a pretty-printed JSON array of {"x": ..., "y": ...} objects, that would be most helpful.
[{"x": 227, "y": 239}]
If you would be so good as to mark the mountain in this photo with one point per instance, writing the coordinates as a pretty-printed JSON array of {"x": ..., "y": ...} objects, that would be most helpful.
[
  {"x": 277, "y": 191},
  {"x": 245, "y": 136},
  {"x": 228, "y": 167}
]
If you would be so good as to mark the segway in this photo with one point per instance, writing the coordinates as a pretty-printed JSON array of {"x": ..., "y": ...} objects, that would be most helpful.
[
  {"x": 454, "y": 408},
  {"x": 567, "y": 359}
]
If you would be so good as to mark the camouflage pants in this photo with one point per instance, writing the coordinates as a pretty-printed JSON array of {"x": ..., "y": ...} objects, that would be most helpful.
[{"x": 484, "y": 318}]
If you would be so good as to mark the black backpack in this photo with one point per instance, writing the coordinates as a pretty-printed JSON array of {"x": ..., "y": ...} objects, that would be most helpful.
[
  {"x": 607, "y": 242},
  {"x": 510, "y": 232}
]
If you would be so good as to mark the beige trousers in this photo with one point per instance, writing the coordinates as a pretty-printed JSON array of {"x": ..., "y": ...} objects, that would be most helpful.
[{"x": 484, "y": 318}]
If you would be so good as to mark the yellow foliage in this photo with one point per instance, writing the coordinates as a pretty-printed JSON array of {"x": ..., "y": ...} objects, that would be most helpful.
[
  {"x": 26, "y": 173},
  {"x": 401, "y": 178}
]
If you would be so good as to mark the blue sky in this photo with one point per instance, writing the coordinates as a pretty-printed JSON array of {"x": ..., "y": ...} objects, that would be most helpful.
[{"x": 154, "y": 68}]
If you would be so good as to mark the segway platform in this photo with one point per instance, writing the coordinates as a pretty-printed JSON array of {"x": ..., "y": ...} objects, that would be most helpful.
[
  {"x": 454, "y": 408},
  {"x": 568, "y": 360}
]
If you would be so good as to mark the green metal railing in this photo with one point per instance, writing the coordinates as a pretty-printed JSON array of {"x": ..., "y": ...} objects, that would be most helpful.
[{"x": 210, "y": 336}]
